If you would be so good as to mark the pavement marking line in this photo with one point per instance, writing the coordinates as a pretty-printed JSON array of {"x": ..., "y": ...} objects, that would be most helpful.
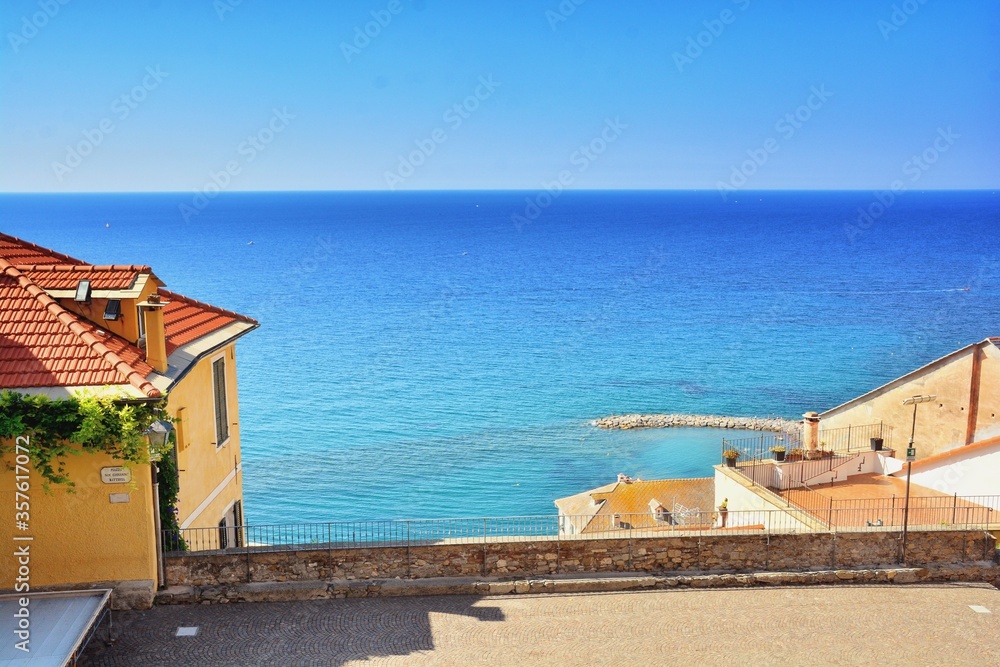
[
  {"x": 979, "y": 609},
  {"x": 187, "y": 632}
]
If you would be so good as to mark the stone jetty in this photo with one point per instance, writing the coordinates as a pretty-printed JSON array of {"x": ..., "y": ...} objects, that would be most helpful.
[{"x": 707, "y": 421}]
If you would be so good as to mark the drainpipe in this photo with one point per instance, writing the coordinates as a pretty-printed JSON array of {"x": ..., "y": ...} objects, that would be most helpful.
[{"x": 156, "y": 525}]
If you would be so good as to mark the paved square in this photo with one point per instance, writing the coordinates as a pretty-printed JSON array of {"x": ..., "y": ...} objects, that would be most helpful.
[{"x": 842, "y": 625}]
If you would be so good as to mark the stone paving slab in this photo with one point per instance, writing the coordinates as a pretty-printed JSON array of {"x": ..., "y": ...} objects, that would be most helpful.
[{"x": 916, "y": 624}]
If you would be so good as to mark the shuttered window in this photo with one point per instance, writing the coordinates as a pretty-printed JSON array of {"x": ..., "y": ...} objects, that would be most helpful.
[
  {"x": 221, "y": 405},
  {"x": 238, "y": 520},
  {"x": 223, "y": 534}
]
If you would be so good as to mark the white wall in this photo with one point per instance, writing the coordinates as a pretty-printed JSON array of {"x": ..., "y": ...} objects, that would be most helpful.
[
  {"x": 748, "y": 508},
  {"x": 975, "y": 474},
  {"x": 814, "y": 473}
]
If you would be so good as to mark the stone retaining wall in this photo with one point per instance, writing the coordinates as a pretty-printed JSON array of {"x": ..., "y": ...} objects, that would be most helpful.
[
  {"x": 706, "y": 421},
  {"x": 323, "y": 590},
  {"x": 717, "y": 554}
]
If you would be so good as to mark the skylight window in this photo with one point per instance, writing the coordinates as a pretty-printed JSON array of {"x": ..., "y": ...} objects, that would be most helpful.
[
  {"x": 113, "y": 310},
  {"x": 82, "y": 292}
]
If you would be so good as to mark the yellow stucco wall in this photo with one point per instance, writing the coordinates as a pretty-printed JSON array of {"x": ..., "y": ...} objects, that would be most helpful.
[
  {"x": 206, "y": 468},
  {"x": 81, "y": 537},
  {"x": 941, "y": 425},
  {"x": 127, "y": 326}
]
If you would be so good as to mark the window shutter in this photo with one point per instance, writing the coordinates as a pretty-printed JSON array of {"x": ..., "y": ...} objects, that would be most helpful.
[
  {"x": 238, "y": 519},
  {"x": 221, "y": 409},
  {"x": 180, "y": 431},
  {"x": 223, "y": 535}
]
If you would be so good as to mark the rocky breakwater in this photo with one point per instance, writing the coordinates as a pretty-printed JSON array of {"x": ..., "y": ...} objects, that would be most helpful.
[{"x": 776, "y": 424}]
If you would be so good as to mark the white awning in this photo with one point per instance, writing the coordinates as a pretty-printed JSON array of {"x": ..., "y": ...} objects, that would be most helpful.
[{"x": 59, "y": 622}]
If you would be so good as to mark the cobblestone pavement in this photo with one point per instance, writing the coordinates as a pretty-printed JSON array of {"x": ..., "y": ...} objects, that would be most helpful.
[{"x": 845, "y": 625}]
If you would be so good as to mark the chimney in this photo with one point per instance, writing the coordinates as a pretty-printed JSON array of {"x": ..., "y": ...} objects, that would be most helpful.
[
  {"x": 156, "y": 337},
  {"x": 810, "y": 433}
]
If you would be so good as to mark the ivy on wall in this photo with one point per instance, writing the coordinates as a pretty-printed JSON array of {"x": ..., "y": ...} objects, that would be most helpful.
[
  {"x": 60, "y": 428},
  {"x": 169, "y": 480}
]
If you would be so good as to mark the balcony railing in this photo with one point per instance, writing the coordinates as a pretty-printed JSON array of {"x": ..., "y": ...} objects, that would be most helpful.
[{"x": 757, "y": 454}]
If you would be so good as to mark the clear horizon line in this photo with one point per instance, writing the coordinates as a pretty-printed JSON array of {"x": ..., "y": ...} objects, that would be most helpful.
[{"x": 485, "y": 190}]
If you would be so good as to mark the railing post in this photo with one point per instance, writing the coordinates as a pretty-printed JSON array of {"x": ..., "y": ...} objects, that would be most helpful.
[
  {"x": 484, "y": 547},
  {"x": 409, "y": 574},
  {"x": 558, "y": 547}
]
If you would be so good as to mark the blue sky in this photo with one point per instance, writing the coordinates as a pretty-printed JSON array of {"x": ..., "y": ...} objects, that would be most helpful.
[{"x": 255, "y": 95}]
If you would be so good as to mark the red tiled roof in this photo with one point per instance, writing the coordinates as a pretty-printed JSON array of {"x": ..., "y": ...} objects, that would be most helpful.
[
  {"x": 66, "y": 276},
  {"x": 17, "y": 251},
  {"x": 187, "y": 320},
  {"x": 44, "y": 345}
]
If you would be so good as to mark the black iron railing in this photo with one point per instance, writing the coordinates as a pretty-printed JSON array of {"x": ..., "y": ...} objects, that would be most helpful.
[{"x": 823, "y": 515}]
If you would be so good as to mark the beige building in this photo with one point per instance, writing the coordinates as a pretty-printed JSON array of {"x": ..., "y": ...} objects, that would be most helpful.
[
  {"x": 967, "y": 409},
  {"x": 629, "y": 504}
]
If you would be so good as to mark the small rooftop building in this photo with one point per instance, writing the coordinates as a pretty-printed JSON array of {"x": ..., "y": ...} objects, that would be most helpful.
[{"x": 649, "y": 504}]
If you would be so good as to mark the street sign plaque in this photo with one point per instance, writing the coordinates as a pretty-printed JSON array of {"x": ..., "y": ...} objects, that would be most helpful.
[
  {"x": 116, "y": 475},
  {"x": 911, "y": 453}
]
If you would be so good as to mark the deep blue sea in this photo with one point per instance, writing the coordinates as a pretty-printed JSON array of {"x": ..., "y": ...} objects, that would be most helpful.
[{"x": 421, "y": 355}]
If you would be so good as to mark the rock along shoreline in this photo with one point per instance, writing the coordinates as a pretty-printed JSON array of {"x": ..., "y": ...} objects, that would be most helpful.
[{"x": 626, "y": 422}]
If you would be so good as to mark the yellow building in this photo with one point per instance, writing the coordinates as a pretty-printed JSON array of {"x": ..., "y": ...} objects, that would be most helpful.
[
  {"x": 966, "y": 384},
  {"x": 68, "y": 328}
]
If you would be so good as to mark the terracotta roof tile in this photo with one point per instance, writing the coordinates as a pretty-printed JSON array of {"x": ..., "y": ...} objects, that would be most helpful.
[
  {"x": 18, "y": 251},
  {"x": 44, "y": 345},
  {"x": 187, "y": 320},
  {"x": 67, "y": 276},
  {"x": 26, "y": 331},
  {"x": 632, "y": 500}
]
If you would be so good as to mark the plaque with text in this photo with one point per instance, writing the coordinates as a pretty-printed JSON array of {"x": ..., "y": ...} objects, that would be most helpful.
[{"x": 116, "y": 475}]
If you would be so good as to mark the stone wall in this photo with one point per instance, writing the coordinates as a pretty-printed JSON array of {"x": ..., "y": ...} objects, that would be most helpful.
[{"x": 685, "y": 554}]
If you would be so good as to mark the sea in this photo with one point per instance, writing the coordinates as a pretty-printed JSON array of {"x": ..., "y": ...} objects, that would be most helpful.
[{"x": 442, "y": 354}]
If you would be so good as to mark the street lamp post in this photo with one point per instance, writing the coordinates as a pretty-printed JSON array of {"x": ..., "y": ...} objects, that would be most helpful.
[
  {"x": 911, "y": 454},
  {"x": 157, "y": 434}
]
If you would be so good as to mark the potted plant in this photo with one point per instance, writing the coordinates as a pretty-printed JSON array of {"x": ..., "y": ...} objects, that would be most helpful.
[
  {"x": 779, "y": 453},
  {"x": 731, "y": 455},
  {"x": 877, "y": 444},
  {"x": 795, "y": 454}
]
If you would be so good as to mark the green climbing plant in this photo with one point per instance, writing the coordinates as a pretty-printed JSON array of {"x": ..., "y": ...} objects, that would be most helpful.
[
  {"x": 169, "y": 479},
  {"x": 60, "y": 428}
]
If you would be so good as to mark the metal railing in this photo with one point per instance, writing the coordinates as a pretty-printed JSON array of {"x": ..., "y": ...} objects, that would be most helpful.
[
  {"x": 757, "y": 456},
  {"x": 924, "y": 510},
  {"x": 853, "y": 516},
  {"x": 855, "y": 438}
]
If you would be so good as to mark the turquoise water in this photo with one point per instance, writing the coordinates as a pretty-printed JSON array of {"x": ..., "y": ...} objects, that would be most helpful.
[{"x": 421, "y": 355}]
